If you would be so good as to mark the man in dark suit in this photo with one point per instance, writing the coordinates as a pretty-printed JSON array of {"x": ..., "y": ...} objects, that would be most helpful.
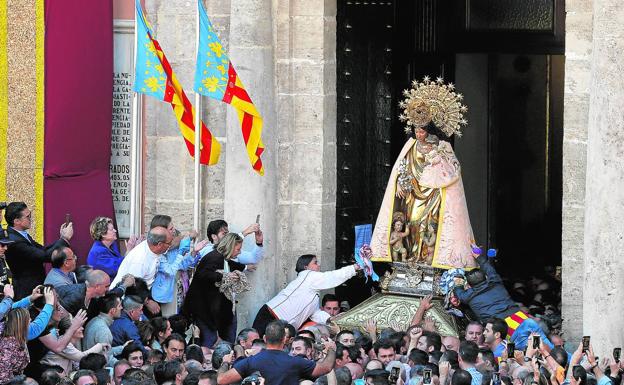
[{"x": 25, "y": 256}]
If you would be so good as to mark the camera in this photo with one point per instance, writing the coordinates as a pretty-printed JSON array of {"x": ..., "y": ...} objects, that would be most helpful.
[
  {"x": 3, "y": 205},
  {"x": 511, "y": 348},
  {"x": 251, "y": 380}
]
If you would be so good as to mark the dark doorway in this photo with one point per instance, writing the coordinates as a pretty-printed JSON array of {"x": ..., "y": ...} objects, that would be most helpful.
[{"x": 509, "y": 66}]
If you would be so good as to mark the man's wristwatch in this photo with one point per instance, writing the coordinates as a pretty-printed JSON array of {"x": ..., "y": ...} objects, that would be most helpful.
[{"x": 527, "y": 359}]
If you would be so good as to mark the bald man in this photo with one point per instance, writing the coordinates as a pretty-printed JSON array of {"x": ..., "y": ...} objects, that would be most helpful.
[
  {"x": 451, "y": 343},
  {"x": 80, "y": 296},
  {"x": 142, "y": 260}
]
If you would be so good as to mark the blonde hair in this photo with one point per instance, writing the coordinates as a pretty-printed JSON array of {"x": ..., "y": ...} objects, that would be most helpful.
[
  {"x": 99, "y": 227},
  {"x": 227, "y": 243},
  {"x": 16, "y": 325}
]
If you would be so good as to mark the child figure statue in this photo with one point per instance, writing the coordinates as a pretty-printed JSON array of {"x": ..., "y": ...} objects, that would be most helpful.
[{"x": 399, "y": 232}]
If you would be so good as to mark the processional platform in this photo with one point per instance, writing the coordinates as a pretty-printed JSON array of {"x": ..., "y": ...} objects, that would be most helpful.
[{"x": 401, "y": 293}]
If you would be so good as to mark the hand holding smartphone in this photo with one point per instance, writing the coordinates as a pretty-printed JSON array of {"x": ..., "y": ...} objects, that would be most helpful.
[
  {"x": 511, "y": 348},
  {"x": 536, "y": 342},
  {"x": 394, "y": 374},
  {"x": 586, "y": 340}
]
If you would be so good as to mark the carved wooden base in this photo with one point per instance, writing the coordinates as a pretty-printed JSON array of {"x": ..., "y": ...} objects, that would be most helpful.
[
  {"x": 385, "y": 308},
  {"x": 402, "y": 290}
]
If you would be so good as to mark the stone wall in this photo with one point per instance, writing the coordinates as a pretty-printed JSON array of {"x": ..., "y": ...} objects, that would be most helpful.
[
  {"x": 603, "y": 297},
  {"x": 284, "y": 52},
  {"x": 169, "y": 177},
  {"x": 576, "y": 107}
]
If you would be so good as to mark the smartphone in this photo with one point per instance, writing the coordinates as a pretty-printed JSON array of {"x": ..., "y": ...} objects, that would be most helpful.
[
  {"x": 616, "y": 354},
  {"x": 577, "y": 371},
  {"x": 536, "y": 342},
  {"x": 67, "y": 219},
  {"x": 586, "y": 343},
  {"x": 511, "y": 348},
  {"x": 258, "y": 219},
  {"x": 394, "y": 374},
  {"x": 426, "y": 376},
  {"x": 496, "y": 378}
]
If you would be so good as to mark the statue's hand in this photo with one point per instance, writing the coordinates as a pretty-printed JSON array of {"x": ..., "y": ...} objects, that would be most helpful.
[{"x": 400, "y": 193}]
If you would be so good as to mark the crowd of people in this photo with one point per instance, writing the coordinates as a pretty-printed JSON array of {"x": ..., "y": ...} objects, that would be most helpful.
[{"x": 165, "y": 313}]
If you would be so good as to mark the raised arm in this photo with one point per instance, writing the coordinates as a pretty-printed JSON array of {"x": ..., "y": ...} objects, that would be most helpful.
[
  {"x": 488, "y": 269},
  {"x": 425, "y": 304},
  {"x": 331, "y": 279},
  {"x": 57, "y": 345},
  {"x": 326, "y": 365}
]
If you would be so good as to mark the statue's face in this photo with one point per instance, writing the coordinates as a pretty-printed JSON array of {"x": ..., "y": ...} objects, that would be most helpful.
[
  {"x": 398, "y": 225},
  {"x": 421, "y": 134}
]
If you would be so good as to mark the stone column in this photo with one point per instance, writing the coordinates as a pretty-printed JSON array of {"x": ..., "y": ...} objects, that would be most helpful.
[
  {"x": 603, "y": 292},
  {"x": 576, "y": 102},
  {"x": 247, "y": 193},
  {"x": 306, "y": 88}
]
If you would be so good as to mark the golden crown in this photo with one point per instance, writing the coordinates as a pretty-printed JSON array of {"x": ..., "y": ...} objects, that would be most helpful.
[{"x": 433, "y": 101}]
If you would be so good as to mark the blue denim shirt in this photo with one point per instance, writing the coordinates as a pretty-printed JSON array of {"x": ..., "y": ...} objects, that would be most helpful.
[{"x": 163, "y": 289}]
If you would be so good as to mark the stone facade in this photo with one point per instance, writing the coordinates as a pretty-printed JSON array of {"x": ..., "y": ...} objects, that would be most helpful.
[
  {"x": 603, "y": 297},
  {"x": 576, "y": 107},
  {"x": 284, "y": 52}
]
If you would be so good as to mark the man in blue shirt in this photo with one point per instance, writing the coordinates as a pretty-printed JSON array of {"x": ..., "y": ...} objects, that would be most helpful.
[
  {"x": 468, "y": 353},
  {"x": 275, "y": 365},
  {"x": 487, "y": 297},
  {"x": 63, "y": 266},
  {"x": 124, "y": 328}
]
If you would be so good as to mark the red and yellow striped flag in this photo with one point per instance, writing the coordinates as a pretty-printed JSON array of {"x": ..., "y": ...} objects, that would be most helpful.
[
  {"x": 155, "y": 77},
  {"x": 215, "y": 77}
]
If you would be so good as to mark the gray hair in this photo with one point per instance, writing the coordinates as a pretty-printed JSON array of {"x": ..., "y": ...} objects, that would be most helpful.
[
  {"x": 220, "y": 350},
  {"x": 131, "y": 302},
  {"x": 154, "y": 236},
  {"x": 193, "y": 366},
  {"x": 95, "y": 277},
  {"x": 244, "y": 334}
]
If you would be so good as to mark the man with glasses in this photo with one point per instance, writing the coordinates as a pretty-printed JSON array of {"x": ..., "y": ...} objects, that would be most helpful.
[
  {"x": 142, "y": 261},
  {"x": 63, "y": 266},
  {"x": 26, "y": 257}
]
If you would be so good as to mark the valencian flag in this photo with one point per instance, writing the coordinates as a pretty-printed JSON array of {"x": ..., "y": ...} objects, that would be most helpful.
[
  {"x": 215, "y": 77},
  {"x": 155, "y": 77}
]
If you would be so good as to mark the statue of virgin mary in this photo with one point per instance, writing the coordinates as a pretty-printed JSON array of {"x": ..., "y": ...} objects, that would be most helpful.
[{"x": 423, "y": 217}]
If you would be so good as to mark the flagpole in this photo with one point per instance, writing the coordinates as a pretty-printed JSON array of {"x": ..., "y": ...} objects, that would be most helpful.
[
  {"x": 136, "y": 151},
  {"x": 198, "y": 130}
]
